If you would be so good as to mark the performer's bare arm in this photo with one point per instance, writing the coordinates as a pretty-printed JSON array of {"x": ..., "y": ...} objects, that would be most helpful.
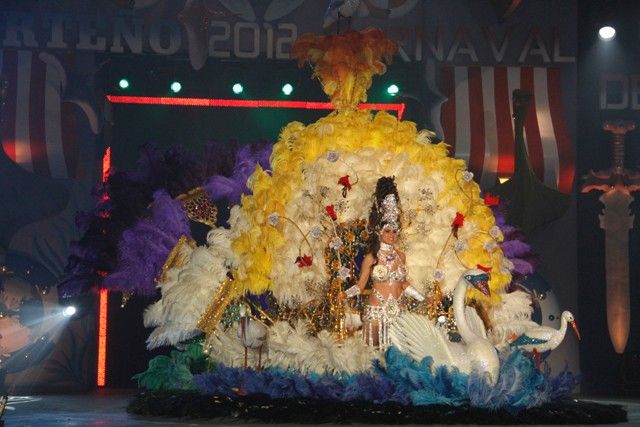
[{"x": 365, "y": 271}]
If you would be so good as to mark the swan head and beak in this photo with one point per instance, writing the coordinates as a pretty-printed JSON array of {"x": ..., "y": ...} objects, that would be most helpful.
[
  {"x": 572, "y": 321},
  {"x": 574, "y": 325},
  {"x": 480, "y": 280}
]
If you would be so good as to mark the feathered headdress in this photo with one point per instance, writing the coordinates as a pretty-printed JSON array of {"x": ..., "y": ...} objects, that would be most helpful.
[{"x": 346, "y": 63}]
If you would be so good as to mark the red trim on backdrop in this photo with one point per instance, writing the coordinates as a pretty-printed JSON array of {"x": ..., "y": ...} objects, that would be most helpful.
[
  {"x": 10, "y": 65},
  {"x": 504, "y": 127},
  {"x": 106, "y": 164},
  {"x": 102, "y": 338},
  {"x": 565, "y": 151},
  {"x": 243, "y": 103},
  {"x": 103, "y": 306}
]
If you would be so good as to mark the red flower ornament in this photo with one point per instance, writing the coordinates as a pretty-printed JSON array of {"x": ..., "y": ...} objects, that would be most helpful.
[
  {"x": 491, "y": 200},
  {"x": 346, "y": 185},
  {"x": 304, "y": 261},
  {"x": 331, "y": 211},
  {"x": 458, "y": 222}
]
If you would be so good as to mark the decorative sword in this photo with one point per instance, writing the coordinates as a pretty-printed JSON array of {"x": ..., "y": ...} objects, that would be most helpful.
[{"x": 616, "y": 184}]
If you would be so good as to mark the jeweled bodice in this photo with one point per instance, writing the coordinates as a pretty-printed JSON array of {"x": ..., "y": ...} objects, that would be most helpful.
[{"x": 390, "y": 267}]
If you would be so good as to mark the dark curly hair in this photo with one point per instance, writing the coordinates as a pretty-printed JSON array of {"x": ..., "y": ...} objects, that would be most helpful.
[{"x": 386, "y": 185}]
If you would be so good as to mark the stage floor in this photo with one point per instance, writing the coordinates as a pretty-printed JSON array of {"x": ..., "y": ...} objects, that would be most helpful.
[{"x": 107, "y": 407}]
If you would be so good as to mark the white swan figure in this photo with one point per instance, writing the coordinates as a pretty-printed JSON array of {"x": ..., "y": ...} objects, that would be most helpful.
[
  {"x": 539, "y": 339},
  {"x": 417, "y": 336},
  {"x": 512, "y": 317}
]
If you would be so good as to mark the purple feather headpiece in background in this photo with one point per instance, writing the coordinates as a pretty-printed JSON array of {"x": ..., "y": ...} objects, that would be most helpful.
[
  {"x": 220, "y": 187},
  {"x": 145, "y": 247},
  {"x": 513, "y": 246},
  {"x": 124, "y": 199}
]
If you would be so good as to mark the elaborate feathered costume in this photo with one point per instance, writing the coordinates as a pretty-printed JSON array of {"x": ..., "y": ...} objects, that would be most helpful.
[
  {"x": 297, "y": 238},
  {"x": 296, "y": 235}
]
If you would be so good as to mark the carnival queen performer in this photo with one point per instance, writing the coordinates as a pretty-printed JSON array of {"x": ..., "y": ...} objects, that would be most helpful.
[{"x": 385, "y": 265}]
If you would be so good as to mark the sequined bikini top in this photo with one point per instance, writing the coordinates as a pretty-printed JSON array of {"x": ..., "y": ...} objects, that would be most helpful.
[{"x": 390, "y": 267}]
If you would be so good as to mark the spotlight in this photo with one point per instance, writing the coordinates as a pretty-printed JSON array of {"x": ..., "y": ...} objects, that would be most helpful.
[
  {"x": 176, "y": 87},
  {"x": 393, "y": 89},
  {"x": 287, "y": 89},
  {"x": 69, "y": 311},
  {"x": 606, "y": 33},
  {"x": 237, "y": 88},
  {"x": 123, "y": 83}
]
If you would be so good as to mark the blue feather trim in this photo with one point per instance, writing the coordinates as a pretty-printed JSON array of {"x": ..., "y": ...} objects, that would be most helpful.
[{"x": 401, "y": 380}]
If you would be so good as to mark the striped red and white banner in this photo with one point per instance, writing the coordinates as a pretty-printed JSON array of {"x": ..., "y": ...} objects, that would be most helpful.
[
  {"x": 477, "y": 122},
  {"x": 39, "y": 130}
]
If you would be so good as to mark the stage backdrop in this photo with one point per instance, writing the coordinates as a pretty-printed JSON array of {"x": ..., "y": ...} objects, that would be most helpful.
[
  {"x": 457, "y": 65},
  {"x": 608, "y": 89}
]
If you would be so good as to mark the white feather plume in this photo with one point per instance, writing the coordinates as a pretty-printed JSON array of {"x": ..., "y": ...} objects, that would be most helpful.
[
  {"x": 187, "y": 291},
  {"x": 514, "y": 306},
  {"x": 167, "y": 331},
  {"x": 225, "y": 347},
  {"x": 511, "y": 317},
  {"x": 170, "y": 333},
  {"x": 294, "y": 348}
]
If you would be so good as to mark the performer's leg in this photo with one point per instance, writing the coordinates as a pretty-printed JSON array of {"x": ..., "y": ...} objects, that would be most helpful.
[{"x": 372, "y": 333}]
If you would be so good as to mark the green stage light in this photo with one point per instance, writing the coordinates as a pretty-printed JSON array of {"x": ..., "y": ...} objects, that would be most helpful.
[
  {"x": 393, "y": 89},
  {"x": 237, "y": 88},
  {"x": 123, "y": 83},
  {"x": 176, "y": 87},
  {"x": 287, "y": 89}
]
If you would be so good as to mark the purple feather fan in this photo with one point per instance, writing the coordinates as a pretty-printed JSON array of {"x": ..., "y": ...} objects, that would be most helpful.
[
  {"x": 124, "y": 199},
  {"x": 219, "y": 187},
  {"x": 121, "y": 201},
  {"x": 145, "y": 247}
]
